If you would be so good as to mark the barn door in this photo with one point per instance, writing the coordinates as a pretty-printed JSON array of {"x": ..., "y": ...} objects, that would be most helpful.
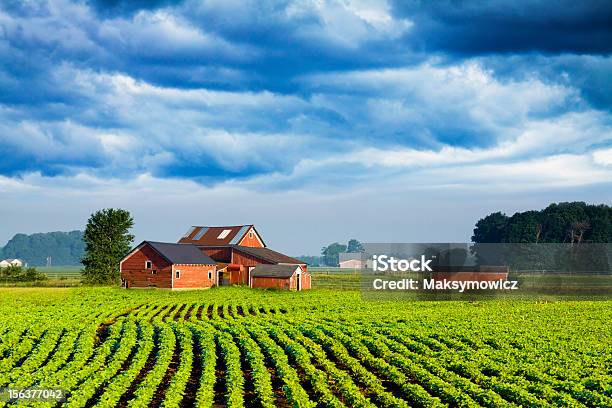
[
  {"x": 223, "y": 279},
  {"x": 299, "y": 282}
]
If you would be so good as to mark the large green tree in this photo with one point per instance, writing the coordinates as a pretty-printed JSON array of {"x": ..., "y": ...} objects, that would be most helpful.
[
  {"x": 490, "y": 228},
  {"x": 330, "y": 253},
  {"x": 107, "y": 240}
]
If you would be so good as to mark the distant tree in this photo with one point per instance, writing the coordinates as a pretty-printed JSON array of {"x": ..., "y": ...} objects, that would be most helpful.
[
  {"x": 107, "y": 240},
  {"x": 311, "y": 260},
  {"x": 558, "y": 218},
  {"x": 524, "y": 227},
  {"x": 354, "y": 246},
  {"x": 577, "y": 230},
  {"x": 330, "y": 253},
  {"x": 490, "y": 229},
  {"x": 600, "y": 219}
]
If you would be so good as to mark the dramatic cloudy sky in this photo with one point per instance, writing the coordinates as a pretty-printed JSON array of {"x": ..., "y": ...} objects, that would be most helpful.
[{"x": 316, "y": 120}]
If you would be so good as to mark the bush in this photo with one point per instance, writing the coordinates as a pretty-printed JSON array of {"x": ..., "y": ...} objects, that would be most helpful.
[{"x": 19, "y": 274}]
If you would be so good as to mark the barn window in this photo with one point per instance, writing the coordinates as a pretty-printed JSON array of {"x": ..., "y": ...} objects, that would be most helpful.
[
  {"x": 251, "y": 234},
  {"x": 148, "y": 264},
  {"x": 178, "y": 274},
  {"x": 210, "y": 275},
  {"x": 224, "y": 233},
  {"x": 154, "y": 272}
]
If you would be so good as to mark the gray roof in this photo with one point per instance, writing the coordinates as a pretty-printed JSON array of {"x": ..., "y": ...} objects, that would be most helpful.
[
  {"x": 273, "y": 271},
  {"x": 180, "y": 253},
  {"x": 269, "y": 255}
]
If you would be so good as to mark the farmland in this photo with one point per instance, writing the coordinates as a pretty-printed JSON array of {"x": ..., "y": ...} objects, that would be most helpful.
[{"x": 323, "y": 348}]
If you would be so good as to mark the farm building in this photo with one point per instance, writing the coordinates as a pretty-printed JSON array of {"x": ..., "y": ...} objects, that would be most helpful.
[
  {"x": 167, "y": 265},
  {"x": 11, "y": 262},
  {"x": 235, "y": 251},
  {"x": 351, "y": 260},
  {"x": 289, "y": 277},
  {"x": 235, "y": 262}
]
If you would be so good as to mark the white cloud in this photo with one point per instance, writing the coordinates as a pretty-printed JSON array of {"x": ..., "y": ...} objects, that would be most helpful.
[
  {"x": 347, "y": 23},
  {"x": 427, "y": 100},
  {"x": 163, "y": 33},
  {"x": 571, "y": 132},
  {"x": 603, "y": 157}
]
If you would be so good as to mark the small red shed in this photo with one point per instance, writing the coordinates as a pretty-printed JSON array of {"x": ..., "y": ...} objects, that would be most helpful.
[
  {"x": 165, "y": 265},
  {"x": 280, "y": 276}
]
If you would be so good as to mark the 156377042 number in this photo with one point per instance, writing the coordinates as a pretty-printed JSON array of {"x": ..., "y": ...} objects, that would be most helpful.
[{"x": 32, "y": 394}]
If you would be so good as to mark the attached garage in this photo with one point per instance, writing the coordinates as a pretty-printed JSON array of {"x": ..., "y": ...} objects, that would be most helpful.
[{"x": 288, "y": 277}]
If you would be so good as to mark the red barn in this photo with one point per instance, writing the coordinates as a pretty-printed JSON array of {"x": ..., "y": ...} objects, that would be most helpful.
[
  {"x": 166, "y": 265},
  {"x": 237, "y": 250},
  {"x": 211, "y": 256},
  {"x": 290, "y": 277}
]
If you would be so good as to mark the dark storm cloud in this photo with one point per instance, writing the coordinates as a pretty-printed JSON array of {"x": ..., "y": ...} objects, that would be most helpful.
[
  {"x": 217, "y": 90},
  {"x": 484, "y": 27}
]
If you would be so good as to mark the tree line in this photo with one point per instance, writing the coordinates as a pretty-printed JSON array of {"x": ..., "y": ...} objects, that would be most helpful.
[
  {"x": 571, "y": 222},
  {"x": 582, "y": 230},
  {"x": 63, "y": 248},
  {"x": 330, "y": 254}
]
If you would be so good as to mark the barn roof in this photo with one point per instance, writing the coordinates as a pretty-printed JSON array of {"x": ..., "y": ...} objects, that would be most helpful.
[
  {"x": 230, "y": 235},
  {"x": 269, "y": 255},
  {"x": 180, "y": 253},
  {"x": 274, "y": 271}
]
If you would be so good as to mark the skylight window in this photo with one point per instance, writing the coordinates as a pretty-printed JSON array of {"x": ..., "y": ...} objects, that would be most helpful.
[
  {"x": 224, "y": 234},
  {"x": 200, "y": 233}
]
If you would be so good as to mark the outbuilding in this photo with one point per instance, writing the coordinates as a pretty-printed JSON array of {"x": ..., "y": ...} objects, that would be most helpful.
[
  {"x": 280, "y": 276},
  {"x": 11, "y": 262},
  {"x": 165, "y": 265}
]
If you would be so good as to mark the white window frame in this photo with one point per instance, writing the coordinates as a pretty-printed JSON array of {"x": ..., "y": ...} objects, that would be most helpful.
[
  {"x": 177, "y": 274},
  {"x": 250, "y": 277},
  {"x": 148, "y": 264},
  {"x": 224, "y": 233}
]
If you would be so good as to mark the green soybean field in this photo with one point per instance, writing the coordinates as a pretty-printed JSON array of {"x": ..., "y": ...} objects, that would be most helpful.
[{"x": 235, "y": 347}]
